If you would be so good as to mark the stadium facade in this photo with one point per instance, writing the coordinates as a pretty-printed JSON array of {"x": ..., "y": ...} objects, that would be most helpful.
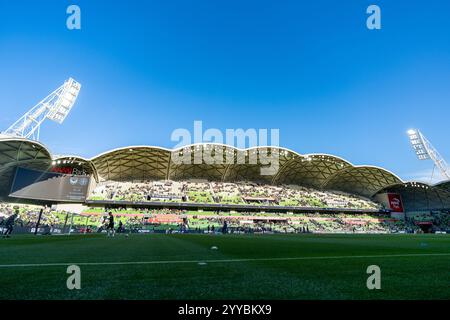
[{"x": 134, "y": 163}]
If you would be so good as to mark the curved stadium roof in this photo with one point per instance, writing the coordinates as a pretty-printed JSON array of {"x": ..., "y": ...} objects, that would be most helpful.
[
  {"x": 16, "y": 152},
  {"x": 321, "y": 171}
]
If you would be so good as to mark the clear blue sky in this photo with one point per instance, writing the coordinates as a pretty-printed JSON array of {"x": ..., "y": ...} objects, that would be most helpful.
[{"x": 309, "y": 68}]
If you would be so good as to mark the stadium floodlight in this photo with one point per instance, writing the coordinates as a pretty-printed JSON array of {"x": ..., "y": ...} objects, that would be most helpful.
[
  {"x": 424, "y": 150},
  {"x": 418, "y": 144},
  {"x": 56, "y": 106}
]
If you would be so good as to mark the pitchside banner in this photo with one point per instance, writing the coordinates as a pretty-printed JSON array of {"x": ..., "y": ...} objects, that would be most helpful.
[
  {"x": 395, "y": 202},
  {"x": 38, "y": 185}
]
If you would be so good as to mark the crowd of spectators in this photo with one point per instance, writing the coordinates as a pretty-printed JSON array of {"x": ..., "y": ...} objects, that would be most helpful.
[
  {"x": 199, "y": 221},
  {"x": 228, "y": 193},
  {"x": 301, "y": 223},
  {"x": 28, "y": 214}
]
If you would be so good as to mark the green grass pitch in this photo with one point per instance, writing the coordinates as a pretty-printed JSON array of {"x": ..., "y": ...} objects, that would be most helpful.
[{"x": 243, "y": 266}]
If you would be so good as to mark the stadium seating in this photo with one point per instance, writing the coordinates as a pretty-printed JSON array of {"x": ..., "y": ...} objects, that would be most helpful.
[
  {"x": 228, "y": 193},
  {"x": 238, "y": 222}
]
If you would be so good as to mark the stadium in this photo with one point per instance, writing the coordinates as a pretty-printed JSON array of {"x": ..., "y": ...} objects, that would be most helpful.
[
  {"x": 144, "y": 178},
  {"x": 216, "y": 159},
  {"x": 317, "y": 214}
]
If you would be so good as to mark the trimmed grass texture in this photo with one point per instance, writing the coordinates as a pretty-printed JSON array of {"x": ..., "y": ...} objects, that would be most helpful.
[{"x": 183, "y": 266}]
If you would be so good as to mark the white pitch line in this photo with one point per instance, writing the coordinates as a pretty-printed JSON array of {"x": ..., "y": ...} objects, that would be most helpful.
[{"x": 218, "y": 260}]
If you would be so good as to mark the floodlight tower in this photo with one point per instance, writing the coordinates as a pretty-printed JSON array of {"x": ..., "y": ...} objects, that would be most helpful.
[
  {"x": 425, "y": 150},
  {"x": 56, "y": 106}
]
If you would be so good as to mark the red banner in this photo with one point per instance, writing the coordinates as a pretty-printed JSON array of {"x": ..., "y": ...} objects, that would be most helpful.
[
  {"x": 395, "y": 202},
  {"x": 165, "y": 218},
  {"x": 63, "y": 170}
]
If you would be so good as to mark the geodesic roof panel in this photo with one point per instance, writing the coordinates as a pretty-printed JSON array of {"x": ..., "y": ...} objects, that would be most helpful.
[
  {"x": 258, "y": 164},
  {"x": 310, "y": 170},
  {"x": 17, "y": 152},
  {"x": 132, "y": 163},
  {"x": 445, "y": 185},
  {"x": 246, "y": 172},
  {"x": 362, "y": 180},
  {"x": 201, "y": 161}
]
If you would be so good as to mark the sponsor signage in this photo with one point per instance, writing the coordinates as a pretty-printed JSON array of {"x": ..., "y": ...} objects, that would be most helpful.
[
  {"x": 395, "y": 202},
  {"x": 50, "y": 186}
]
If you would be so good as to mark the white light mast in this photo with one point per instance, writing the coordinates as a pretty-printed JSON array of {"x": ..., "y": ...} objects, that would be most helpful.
[
  {"x": 425, "y": 150},
  {"x": 56, "y": 106}
]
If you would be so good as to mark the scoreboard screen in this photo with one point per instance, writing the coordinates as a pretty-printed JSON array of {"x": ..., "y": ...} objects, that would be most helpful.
[{"x": 51, "y": 186}]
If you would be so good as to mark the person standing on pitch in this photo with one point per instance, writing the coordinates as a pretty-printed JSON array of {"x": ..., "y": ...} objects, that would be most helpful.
[
  {"x": 120, "y": 229},
  {"x": 9, "y": 224},
  {"x": 110, "y": 227}
]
